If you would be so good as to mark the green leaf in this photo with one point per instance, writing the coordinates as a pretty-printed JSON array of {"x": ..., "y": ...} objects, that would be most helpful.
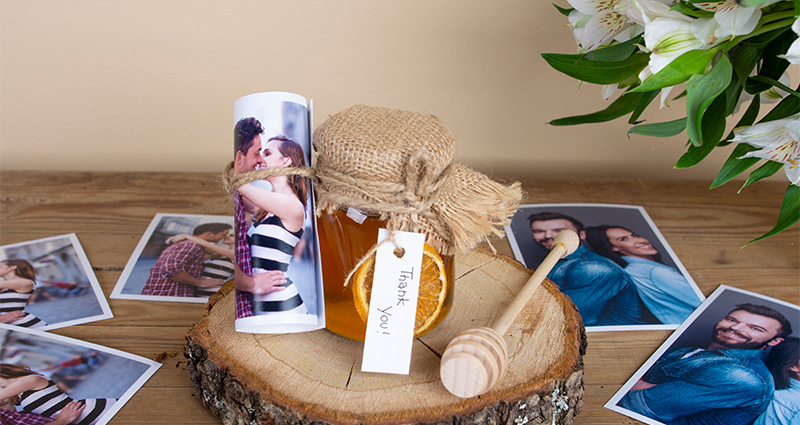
[
  {"x": 735, "y": 164},
  {"x": 751, "y": 3},
  {"x": 789, "y": 215},
  {"x": 772, "y": 66},
  {"x": 744, "y": 59},
  {"x": 679, "y": 70},
  {"x": 713, "y": 129},
  {"x": 767, "y": 170},
  {"x": 597, "y": 72},
  {"x": 615, "y": 52},
  {"x": 778, "y": 84},
  {"x": 644, "y": 102},
  {"x": 562, "y": 10},
  {"x": 701, "y": 90},
  {"x": 661, "y": 129},
  {"x": 623, "y": 105},
  {"x": 732, "y": 95}
]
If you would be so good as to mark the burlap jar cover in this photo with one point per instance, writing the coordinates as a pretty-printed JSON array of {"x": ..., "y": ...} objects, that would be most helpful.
[{"x": 398, "y": 165}]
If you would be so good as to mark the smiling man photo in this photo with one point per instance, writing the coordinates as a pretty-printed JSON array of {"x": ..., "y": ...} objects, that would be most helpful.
[{"x": 725, "y": 383}]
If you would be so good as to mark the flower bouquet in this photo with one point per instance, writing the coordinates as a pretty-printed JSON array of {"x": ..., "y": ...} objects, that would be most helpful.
[{"x": 721, "y": 54}]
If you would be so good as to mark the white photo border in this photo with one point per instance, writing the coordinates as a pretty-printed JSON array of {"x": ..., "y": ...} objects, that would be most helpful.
[
  {"x": 524, "y": 210},
  {"x": 152, "y": 366},
  {"x": 117, "y": 293},
  {"x": 88, "y": 271},
  {"x": 721, "y": 290}
]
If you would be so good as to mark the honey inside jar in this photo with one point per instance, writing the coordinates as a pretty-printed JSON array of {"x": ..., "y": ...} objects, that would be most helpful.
[{"x": 343, "y": 241}]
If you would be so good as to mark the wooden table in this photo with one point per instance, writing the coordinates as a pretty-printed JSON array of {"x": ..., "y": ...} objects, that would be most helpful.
[{"x": 110, "y": 211}]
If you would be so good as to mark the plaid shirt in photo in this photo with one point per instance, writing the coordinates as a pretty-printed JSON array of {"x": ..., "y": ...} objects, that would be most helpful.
[
  {"x": 184, "y": 256},
  {"x": 244, "y": 300},
  {"x": 12, "y": 417}
]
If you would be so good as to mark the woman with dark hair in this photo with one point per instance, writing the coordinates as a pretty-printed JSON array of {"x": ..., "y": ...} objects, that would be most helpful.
[
  {"x": 277, "y": 226},
  {"x": 16, "y": 288},
  {"x": 783, "y": 361},
  {"x": 663, "y": 290},
  {"x": 33, "y": 393}
]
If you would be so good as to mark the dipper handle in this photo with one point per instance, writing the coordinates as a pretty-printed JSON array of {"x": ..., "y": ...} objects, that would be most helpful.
[
  {"x": 565, "y": 243},
  {"x": 475, "y": 360}
]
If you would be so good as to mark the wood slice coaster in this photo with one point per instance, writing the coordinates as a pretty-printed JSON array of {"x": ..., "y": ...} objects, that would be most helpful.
[{"x": 315, "y": 377}]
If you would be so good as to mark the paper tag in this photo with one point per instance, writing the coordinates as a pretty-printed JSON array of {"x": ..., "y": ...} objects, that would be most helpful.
[{"x": 393, "y": 304}]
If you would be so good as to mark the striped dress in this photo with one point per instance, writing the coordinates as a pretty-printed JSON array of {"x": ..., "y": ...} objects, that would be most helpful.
[
  {"x": 50, "y": 400},
  {"x": 215, "y": 268},
  {"x": 271, "y": 248},
  {"x": 11, "y": 300}
]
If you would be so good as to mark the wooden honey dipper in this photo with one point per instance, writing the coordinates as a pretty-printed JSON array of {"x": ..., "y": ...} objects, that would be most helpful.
[{"x": 475, "y": 360}]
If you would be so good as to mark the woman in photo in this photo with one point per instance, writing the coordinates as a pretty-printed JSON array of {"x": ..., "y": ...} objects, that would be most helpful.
[
  {"x": 663, "y": 290},
  {"x": 16, "y": 288},
  {"x": 784, "y": 363},
  {"x": 33, "y": 393},
  {"x": 277, "y": 224}
]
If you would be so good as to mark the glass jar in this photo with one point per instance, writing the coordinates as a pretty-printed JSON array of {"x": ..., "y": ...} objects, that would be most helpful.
[{"x": 343, "y": 241}]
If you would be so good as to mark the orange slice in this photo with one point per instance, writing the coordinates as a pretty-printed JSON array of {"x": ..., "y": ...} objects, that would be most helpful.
[{"x": 432, "y": 289}]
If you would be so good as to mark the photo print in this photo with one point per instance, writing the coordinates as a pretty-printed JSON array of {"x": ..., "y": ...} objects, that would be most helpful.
[
  {"x": 41, "y": 373},
  {"x": 48, "y": 283},
  {"x": 181, "y": 257},
  {"x": 735, "y": 361},
  {"x": 281, "y": 288},
  {"x": 624, "y": 275}
]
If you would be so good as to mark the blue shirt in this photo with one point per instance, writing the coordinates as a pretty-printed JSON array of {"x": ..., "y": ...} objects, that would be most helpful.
[
  {"x": 711, "y": 387},
  {"x": 602, "y": 291},
  {"x": 785, "y": 407},
  {"x": 664, "y": 291}
]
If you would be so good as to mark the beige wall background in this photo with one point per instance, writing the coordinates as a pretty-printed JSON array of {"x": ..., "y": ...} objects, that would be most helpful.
[{"x": 149, "y": 85}]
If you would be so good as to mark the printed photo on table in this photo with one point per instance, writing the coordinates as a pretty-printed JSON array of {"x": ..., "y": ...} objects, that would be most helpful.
[
  {"x": 278, "y": 284},
  {"x": 624, "y": 275},
  {"x": 181, "y": 257},
  {"x": 735, "y": 361},
  {"x": 48, "y": 283},
  {"x": 42, "y": 375}
]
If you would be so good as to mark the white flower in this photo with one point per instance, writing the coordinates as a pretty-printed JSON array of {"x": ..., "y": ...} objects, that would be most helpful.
[
  {"x": 793, "y": 54},
  {"x": 644, "y": 11},
  {"x": 666, "y": 39},
  {"x": 607, "y": 19},
  {"x": 779, "y": 141},
  {"x": 730, "y": 18},
  {"x": 608, "y": 90}
]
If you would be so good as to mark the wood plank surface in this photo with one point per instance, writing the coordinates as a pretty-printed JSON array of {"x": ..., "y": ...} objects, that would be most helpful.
[{"x": 109, "y": 212}]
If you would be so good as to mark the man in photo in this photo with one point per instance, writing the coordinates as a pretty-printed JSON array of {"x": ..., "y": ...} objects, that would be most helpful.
[
  {"x": 178, "y": 269},
  {"x": 604, "y": 294},
  {"x": 247, "y": 157},
  {"x": 726, "y": 383}
]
